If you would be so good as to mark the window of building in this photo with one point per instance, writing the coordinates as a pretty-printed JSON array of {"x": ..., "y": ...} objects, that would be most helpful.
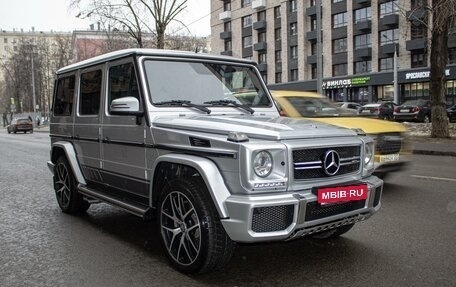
[
  {"x": 388, "y": 8},
  {"x": 337, "y": 1},
  {"x": 261, "y": 36},
  {"x": 247, "y": 41},
  {"x": 363, "y": 41},
  {"x": 227, "y": 26},
  {"x": 363, "y": 67},
  {"x": 386, "y": 64},
  {"x": 278, "y": 34},
  {"x": 90, "y": 93},
  {"x": 277, "y": 12},
  {"x": 418, "y": 30},
  {"x": 313, "y": 71},
  {"x": 294, "y": 52},
  {"x": 389, "y": 36},
  {"x": 261, "y": 16},
  {"x": 63, "y": 102},
  {"x": 228, "y": 46},
  {"x": 363, "y": 14},
  {"x": 278, "y": 56},
  {"x": 313, "y": 48},
  {"x": 247, "y": 21},
  {"x": 293, "y": 5},
  {"x": 451, "y": 55},
  {"x": 293, "y": 29},
  {"x": 122, "y": 82},
  {"x": 340, "y": 69},
  {"x": 262, "y": 58},
  {"x": 226, "y": 5},
  {"x": 264, "y": 76},
  {"x": 313, "y": 3},
  {"x": 419, "y": 60},
  {"x": 313, "y": 23},
  {"x": 293, "y": 75},
  {"x": 245, "y": 3},
  {"x": 339, "y": 20},
  {"x": 278, "y": 77},
  {"x": 339, "y": 45}
]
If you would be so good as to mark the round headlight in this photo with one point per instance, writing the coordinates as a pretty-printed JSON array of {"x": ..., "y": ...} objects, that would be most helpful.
[
  {"x": 368, "y": 153},
  {"x": 262, "y": 164}
]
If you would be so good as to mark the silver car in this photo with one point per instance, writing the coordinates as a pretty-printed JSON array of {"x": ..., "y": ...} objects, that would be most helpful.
[{"x": 196, "y": 142}]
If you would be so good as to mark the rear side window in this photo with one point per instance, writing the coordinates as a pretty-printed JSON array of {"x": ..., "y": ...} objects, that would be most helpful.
[
  {"x": 63, "y": 103},
  {"x": 122, "y": 82},
  {"x": 90, "y": 93}
]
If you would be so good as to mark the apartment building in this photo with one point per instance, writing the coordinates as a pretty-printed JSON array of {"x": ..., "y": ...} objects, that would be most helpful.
[{"x": 359, "y": 39}]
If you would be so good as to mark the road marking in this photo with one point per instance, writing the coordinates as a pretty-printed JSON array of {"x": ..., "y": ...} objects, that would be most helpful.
[{"x": 434, "y": 178}]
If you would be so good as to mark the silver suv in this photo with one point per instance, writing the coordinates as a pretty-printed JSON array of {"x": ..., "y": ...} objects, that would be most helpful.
[{"x": 196, "y": 142}]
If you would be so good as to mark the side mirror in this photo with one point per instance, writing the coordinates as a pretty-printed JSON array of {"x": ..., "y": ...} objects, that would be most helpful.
[{"x": 125, "y": 106}]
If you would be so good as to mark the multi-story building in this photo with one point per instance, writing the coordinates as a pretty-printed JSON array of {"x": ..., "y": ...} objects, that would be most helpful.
[{"x": 359, "y": 39}]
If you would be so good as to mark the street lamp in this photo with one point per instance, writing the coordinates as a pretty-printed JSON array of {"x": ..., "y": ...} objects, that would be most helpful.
[
  {"x": 395, "y": 90},
  {"x": 33, "y": 82}
]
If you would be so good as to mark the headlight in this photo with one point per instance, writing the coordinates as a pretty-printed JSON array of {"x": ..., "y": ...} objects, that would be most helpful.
[
  {"x": 368, "y": 154},
  {"x": 262, "y": 163}
]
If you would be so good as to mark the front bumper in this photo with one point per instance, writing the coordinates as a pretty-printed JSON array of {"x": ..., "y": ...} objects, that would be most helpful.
[{"x": 287, "y": 216}]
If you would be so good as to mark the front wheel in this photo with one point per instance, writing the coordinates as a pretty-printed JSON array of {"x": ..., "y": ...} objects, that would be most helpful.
[
  {"x": 68, "y": 198},
  {"x": 190, "y": 228},
  {"x": 332, "y": 233}
]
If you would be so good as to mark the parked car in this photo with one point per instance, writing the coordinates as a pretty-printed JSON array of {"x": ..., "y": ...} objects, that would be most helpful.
[
  {"x": 414, "y": 110},
  {"x": 132, "y": 129},
  {"x": 380, "y": 110},
  {"x": 349, "y": 105},
  {"x": 391, "y": 144},
  {"x": 451, "y": 112},
  {"x": 20, "y": 125}
]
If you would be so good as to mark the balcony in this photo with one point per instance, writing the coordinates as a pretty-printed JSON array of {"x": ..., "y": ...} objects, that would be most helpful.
[
  {"x": 225, "y": 16},
  {"x": 390, "y": 20},
  {"x": 312, "y": 59},
  {"x": 389, "y": 49},
  {"x": 416, "y": 44},
  {"x": 263, "y": 67},
  {"x": 258, "y": 4},
  {"x": 311, "y": 35},
  {"x": 361, "y": 2},
  {"x": 363, "y": 26},
  {"x": 312, "y": 10},
  {"x": 416, "y": 14},
  {"x": 259, "y": 25},
  {"x": 362, "y": 53},
  {"x": 260, "y": 46},
  {"x": 225, "y": 35}
]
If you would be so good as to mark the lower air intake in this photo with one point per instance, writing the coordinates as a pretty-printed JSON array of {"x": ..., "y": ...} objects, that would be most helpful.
[{"x": 272, "y": 218}]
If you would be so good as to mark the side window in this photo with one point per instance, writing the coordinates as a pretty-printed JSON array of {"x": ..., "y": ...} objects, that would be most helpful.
[
  {"x": 122, "y": 82},
  {"x": 63, "y": 102},
  {"x": 90, "y": 93}
]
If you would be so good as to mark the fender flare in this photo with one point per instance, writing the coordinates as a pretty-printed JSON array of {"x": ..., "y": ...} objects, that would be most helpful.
[
  {"x": 209, "y": 172},
  {"x": 70, "y": 154}
]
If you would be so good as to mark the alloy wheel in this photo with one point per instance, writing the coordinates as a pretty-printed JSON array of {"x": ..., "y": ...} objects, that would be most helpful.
[{"x": 63, "y": 185}]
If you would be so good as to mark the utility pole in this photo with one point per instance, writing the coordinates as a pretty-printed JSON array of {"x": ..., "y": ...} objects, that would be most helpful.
[
  {"x": 319, "y": 49},
  {"x": 33, "y": 81}
]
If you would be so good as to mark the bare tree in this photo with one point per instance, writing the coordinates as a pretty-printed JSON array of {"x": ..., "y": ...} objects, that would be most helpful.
[{"x": 135, "y": 17}]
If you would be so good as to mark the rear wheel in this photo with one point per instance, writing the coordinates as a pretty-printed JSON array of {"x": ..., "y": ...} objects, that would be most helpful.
[
  {"x": 68, "y": 198},
  {"x": 332, "y": 233},
  {"x": 190, "y": 228}
]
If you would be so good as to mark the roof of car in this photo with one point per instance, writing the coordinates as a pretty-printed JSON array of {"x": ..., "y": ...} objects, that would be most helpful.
[
  {"x": 286, "y": 93},
  {"x": 147, "y": 52}
]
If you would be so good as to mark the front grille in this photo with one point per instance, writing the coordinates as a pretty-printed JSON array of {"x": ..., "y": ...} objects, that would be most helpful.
[
  {"x": 388, "y": 143},
  {"x": 308, "y": 163},
  {"x": 272, "y": 218},
  {"x": 378, "y": 193},
  {"x": 315, "y": 210}
]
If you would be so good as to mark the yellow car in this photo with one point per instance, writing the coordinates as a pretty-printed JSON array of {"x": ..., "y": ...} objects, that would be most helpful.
[{"x": 391, "y": 147}]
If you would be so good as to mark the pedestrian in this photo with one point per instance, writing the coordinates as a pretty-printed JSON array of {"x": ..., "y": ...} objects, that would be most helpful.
[
  {"x": 38, "y": 121},
  {"x": 30, "y": 118},
  {"x": 5, "y": 119}
]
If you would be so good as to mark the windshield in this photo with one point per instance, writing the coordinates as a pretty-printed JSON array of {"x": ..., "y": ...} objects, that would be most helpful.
[
  {"x": 318, "y": 107},
  {"x": 201, "y": 83}
]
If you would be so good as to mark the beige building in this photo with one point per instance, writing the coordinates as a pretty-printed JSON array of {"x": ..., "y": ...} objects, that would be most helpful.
[{"x": 359, "y": 39}]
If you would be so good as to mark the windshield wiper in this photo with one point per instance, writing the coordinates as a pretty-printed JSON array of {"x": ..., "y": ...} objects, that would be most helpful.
[
  {"x": 183, "y": 103},
  {"x": 231, "y": 103}
]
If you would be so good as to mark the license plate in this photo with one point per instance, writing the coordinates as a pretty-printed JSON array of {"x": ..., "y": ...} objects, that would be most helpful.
[
  {"x": 404, "y": 111},
  {"x": 389, "y": 157},
  {"x": 342, "y": 193},
  {"x": 366, "y": 111}
]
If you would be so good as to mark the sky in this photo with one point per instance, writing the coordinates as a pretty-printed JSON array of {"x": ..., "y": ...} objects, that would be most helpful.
[{"x": 54, "y": 15}]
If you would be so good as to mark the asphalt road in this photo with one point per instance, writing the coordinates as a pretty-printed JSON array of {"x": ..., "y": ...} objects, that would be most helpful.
[{"x": 410, "y": 242}]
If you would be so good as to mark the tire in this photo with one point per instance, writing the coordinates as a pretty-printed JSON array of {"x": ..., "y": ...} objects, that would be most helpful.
[
  {"x": 9, "y": 131},
  {"x": 25, "y": 132},
  {"x": 69, "y": 199},
  {"x": 332, "y": 233},
  {"x": 190, "y": 229}
]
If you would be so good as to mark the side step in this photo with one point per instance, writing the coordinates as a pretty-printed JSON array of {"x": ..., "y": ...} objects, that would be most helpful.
[{"x": 143, "y": 211}]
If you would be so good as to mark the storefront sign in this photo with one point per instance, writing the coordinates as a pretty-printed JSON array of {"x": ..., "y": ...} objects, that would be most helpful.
[
  {"x": 422, "y": 75},
  {"x": 360, "y": 81},
  {"x": 345, "y": 82}
]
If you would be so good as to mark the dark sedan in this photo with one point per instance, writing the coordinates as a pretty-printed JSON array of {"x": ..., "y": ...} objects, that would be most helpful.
[
  {"x": 414, "y": 110},
  {"x": 451, "y": 112},
  {"x": 380, "y": 110},
  {"x": 20, "y": 125}
]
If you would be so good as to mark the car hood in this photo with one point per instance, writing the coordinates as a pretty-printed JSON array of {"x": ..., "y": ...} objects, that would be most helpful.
[
  {"x": 369, "y": 126},
  {"x": 261, "y": 127}
]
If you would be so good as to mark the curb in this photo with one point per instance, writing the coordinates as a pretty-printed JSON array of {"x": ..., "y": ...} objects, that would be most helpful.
[{"x": 434, "y": 152}]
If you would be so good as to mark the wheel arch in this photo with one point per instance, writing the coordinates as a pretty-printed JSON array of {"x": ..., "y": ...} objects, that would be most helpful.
[
  {"x": 66, "y": 149},
  {"x": 172, "y": 166}
]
